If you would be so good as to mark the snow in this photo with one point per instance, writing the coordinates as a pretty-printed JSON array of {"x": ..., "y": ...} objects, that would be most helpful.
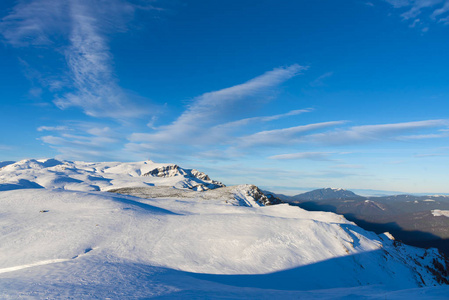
[
  {"x": 54, "y": 174},
  {"x": 335, "y": 189},
  {"x": 440, "y": 213},
  {"x": 68, "y": 240}
]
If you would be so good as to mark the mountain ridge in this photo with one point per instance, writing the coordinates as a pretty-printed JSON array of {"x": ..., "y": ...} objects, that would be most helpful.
[{"x": 409, "y": 218}]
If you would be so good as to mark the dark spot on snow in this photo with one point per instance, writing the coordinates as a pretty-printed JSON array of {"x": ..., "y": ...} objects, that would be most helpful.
[
  {"x": 87, "y": 250},
  {"x": 98, "y": 178},
  {"x": 44, "y": 211}
]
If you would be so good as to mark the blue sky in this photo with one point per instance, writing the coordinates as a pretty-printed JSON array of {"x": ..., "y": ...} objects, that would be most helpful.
[{"x": 287, "y": 95}]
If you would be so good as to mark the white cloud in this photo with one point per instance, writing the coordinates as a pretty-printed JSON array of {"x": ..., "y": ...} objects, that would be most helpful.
[
  {"x": 285, "y": 136},
  {"x": 434, "y": 9},
  {"x": 242, "y": 122},
  {"x": 211, "y": 124},
  {"x": 423, "y": 136},
  {"x": 75, "y": 141},
  {"x": 81, "y": 27},
  {"x": 440, "y": 11},
  {"x": 207, "y": 115},
  {"x": 348, "y": 166},
  {"x": 445, "y": 21},
  {"x": 318, "y": 156},
  {"x": 89, "y": 60},
  {"x": 399, "y": 3},
  {"x": 86, "y": 141},
  {"x": 5, "y": 147},
  {"x": 34, "y": 22},
  {"x": 52, "y": 128},
  {"x": 367, "y": 133},
  {"x": 431, "y": 155},
  {"x": 220, "y": 105}
]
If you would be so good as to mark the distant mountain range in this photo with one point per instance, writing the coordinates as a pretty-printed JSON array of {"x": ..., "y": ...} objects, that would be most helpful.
[
  {"x": 326, "y": 194},
  {"x": 409, "y": 218}
]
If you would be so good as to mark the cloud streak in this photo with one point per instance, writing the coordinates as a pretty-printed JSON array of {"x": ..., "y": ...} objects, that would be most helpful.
[
  {"x": 34, "y": 23},
  {"x": 52, "y": 128},
  {"x": 246, "y": 121},
  {"x": 91, "y": 142},
  {"x": 81, "y": 27},
  {"x": 316, "y": 156},
  {"x": 371, "y": 133},
  {"x": 284, "y": 136},
  {"x": 208, "y": 116},
  {"x": 434, "y": 9},
  {"x": 320, "y": 80},
  {"x": 209, "y": 128}
]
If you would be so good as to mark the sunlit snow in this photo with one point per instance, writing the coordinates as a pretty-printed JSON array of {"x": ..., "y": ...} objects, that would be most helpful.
[{"x": 70, "y": 239}]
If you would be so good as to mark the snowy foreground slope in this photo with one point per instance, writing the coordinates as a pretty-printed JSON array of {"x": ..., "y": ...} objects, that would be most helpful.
[{"x": 70, "y": 239}]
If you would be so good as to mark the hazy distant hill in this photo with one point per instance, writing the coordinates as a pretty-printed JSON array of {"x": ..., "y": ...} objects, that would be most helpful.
[
  {"x": 326, "y": 194},
  {"x": 409, "y": 218}
]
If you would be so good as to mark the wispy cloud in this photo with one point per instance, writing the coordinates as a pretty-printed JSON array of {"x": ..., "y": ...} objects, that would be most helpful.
[
  {"x": 209, "y": 117},
  {"x": 347, "y": 166},
  {"x": 32, "y": 23},
  {"x": 78, "y": 29},
  {"x": 431, "y": 155},
  {"x": 246, "y": 121},
  {"x": 85, "y": 141},
  {"x": 89, "y": 60},
  {"x": 424, "y": 136},
  {"x": 433, "y": 9},
  {"x": 5, "y": 147},
  {"x": 320, "y": 80},
  {"x": 440, "y": 11},
  {"x": 93, "y": 138},
  {"x": 370, "y": 133},
  {"x": 284, "y": 136},
  {"x": 207, "y": 126},
  {"x": 223, "y": 104},
  {"x": 52, "y": 128},
  {"x": 317, "y": 156}
]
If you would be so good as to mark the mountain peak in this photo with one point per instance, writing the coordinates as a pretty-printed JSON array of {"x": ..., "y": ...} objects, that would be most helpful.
[{"x": 326, "y": 194}]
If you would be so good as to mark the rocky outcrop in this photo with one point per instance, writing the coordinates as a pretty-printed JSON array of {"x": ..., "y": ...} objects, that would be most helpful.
[
  {"x": 165, "y": 171},
  {"x": 201, "y": 181},
  {"x": 261, "y": 198}
]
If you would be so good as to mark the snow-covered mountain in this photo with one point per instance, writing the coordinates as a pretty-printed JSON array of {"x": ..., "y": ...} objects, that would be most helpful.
[
  {"x": 162, "y": 237},
  {"x": 82, "y": 176}
]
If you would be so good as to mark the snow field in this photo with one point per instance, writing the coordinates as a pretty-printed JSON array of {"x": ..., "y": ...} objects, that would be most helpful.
[{"x": 69, "y": 241}]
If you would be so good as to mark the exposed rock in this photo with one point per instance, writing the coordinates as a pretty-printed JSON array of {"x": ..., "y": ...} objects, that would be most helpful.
[
  {"x": 261, "y": 198},
  {"x": 199, "y": 175},
  {"x": 203, "y": 183},
  {"x": 166, "y": 171}
]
